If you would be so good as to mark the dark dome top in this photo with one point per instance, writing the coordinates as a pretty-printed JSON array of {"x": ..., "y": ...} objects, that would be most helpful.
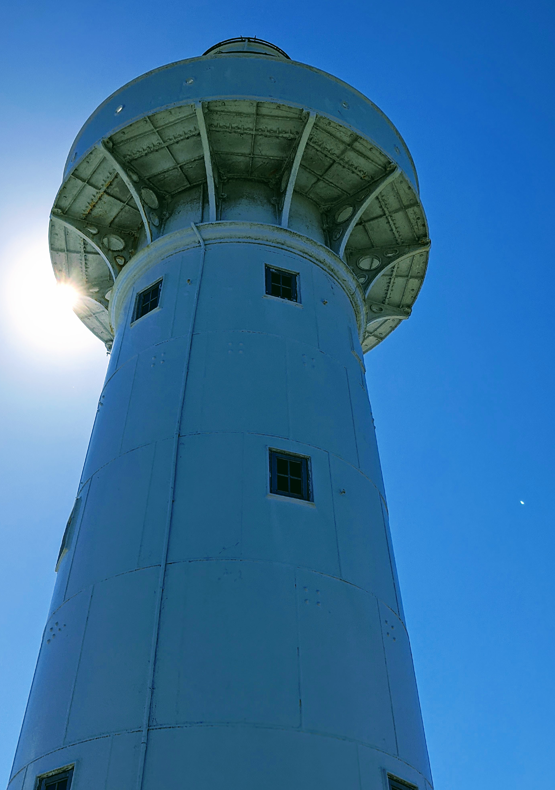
[{"x": 255, "y": 46}]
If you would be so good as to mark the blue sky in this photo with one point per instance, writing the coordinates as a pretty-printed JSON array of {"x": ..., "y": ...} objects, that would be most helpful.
[{"x": 462, "y": 393}]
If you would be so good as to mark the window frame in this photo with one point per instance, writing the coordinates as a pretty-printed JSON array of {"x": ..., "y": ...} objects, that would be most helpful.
[
  {"x": 275, "y": 454},
  {"x": 140, "y": 293},
  {"x": 395, "y": 783},
  {"x": 47, "y": 780},
  {"x": 295, "y": 288}
]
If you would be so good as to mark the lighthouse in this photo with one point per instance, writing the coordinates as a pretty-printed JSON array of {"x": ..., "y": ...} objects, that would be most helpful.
[{"x": 241, "y": 229}]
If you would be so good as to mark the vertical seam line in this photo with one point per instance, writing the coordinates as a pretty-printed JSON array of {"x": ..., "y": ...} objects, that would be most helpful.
[
  {"x": 149, "y": 493},
  {"x": 400, "y": 612},
  {"x": 352, "y": 415},
  {"x": 332, "y": 489},
  {"x": 78, "y": 666},
  {"x": 387, "y": 676},
  {"x": 299, "y": 685},
  {"x": 169, "y": 514}
]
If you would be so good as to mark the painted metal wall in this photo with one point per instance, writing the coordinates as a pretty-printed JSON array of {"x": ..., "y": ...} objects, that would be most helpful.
[{"x": 204, "y": 631}]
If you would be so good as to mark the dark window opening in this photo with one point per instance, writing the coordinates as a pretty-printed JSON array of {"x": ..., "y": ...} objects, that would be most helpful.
[
  {"x": 68, "y": 534},
  {"x": 289, "y": 475},
  {"x": 58, "y": 781},
  {"x": 147, "y": 300},
  {"x": 399, "y": 784},
  {"x": 281, "y": 284}
]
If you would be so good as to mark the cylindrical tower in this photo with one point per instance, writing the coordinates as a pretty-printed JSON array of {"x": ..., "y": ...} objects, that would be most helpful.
[{"x": 241, "y": 229}]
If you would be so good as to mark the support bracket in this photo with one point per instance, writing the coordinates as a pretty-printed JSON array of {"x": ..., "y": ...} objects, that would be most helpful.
[
  {"x": 344, "y": 215},
  {"x": 293, "y": 173},
  {"x": 210, "y": 171},
  {"x": 147, "y": 200},
  {"x": 110, "y": 243},
  {"x": 372, "y": 262},
  {"x": 379, "y": 312}
]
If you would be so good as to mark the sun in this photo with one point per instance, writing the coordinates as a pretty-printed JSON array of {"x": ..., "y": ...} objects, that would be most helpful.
[
  {"x": 66, "y": 295},
  {"x": 40, "y": 309}
]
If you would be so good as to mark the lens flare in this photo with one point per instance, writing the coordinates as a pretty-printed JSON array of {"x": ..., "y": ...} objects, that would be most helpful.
[
  {"x": 66, "y": 295},
  {"x": 39, "y": 309}
]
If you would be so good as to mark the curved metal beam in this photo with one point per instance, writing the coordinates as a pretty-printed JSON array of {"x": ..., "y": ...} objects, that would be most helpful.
[
  {"x": 379, "y": 312},
  {"x": 295, "y": 168},
  {"x": 207, "y": 162},
  {"x": 358, "y": 202},
  {"x": 377, "y": 187},
  {"x": 81, "y": 228},
  {"x": 386, "y": 258},
  {"x": 134, "y": 185}
]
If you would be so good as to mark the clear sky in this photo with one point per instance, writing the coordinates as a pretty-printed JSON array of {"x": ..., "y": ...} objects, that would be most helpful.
[{"x": 462, "y": 392}]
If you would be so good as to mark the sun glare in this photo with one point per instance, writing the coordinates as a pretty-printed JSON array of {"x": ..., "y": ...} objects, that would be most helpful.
[
  {"x": 66, "y": 295},
  {"x": 40, "y": 308}
]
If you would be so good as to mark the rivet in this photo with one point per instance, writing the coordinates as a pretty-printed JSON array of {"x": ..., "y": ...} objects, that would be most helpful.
[
  {"x": 119, "y": 109},
  {"x": 345, "y": 105},
  {"x": 190, "y": 81}
]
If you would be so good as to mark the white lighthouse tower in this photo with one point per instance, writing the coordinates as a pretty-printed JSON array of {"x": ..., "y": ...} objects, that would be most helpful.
[{"x": 241, "y": 228}]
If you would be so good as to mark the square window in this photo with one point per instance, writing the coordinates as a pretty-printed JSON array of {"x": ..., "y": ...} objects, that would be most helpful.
[
  {"x": 147, "y": 300},
  {"x": 282, "y": 284},
  {"x": 289, "y": 475},
  {"x": 58, "y": 781}
]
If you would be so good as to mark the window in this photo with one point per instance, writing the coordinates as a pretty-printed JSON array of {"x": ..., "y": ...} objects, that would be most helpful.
[
  {"x": 398, "y": 784},
  {"x": 68, "y": 534},
  {"x": 58, "y": 781},
  {"x": 289, "y": 475},
  {"x": 147, "y": 300},
  {"x": 282, "y": 284}
]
